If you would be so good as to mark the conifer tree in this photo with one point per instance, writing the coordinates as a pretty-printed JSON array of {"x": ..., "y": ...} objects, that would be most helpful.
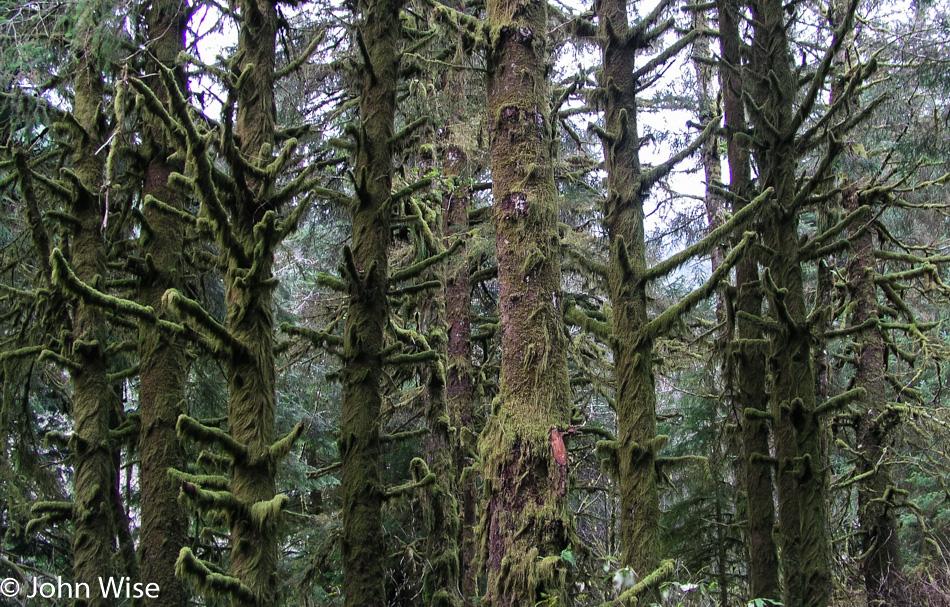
[
  {"x": 162, "y": 358},
  {"x": 747, "y": 364},
  {"x": 526, "y": 525},
  {"x": 633, "y": 455},
  {"x": 366, "y": 269},
  {"x": 795, "y": 415},
  {"x": 94, "y": 402}
]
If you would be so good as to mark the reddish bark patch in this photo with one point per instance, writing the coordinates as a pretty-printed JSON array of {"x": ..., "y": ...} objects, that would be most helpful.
[{"x": 514, "y": 202}]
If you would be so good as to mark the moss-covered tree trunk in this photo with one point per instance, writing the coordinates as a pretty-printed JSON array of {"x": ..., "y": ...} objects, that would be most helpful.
[
  {"x": 526, "y": 522},
  {"x": 93, "y": 399},
  {"x": 880, "y": 546},
  {"x": 801, "y": 478},
  {"x": 749, "y": 363},
  {"x": 162, "y": 361},
  {"x": 633, "y": 356},
  {"x": 363, "y": 560},
  {"x": 250, "y": 316},
  {"x": 459, "y": 363},
  {"x": 443, "y": 529}
]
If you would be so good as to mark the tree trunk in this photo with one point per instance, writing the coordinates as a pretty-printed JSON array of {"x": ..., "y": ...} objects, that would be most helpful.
[
  {"x": 526, "y": 523},
  {"x": 749, "y": 363},
  {"x": 163, "y": 362},
  {"x": 363, "y": 559},
  {"x": 93, "y": 398},
  {"x": 801, "y": 476},
  {"x": 881, "y": 565},
  {"x": 250, "y": 316},
  {"x": 459, "y": 363},
  {"x": 633, "y": 355}
]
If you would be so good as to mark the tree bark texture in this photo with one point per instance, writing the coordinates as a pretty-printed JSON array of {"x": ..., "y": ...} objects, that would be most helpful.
[
  {"x": 367, "y": 318},
  {"x": 163, "y": 361},
  {"x": 749, "y": 365},
  {"x": 526, "y": 522},
  {"x": 801, "y": 478},
  {"x": 93, "y": 399},
  {"x": 633, "y": 355}
]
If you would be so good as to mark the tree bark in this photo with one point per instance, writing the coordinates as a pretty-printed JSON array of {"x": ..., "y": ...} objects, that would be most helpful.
[
  {"x": 801, "y": 478},
  {"x": 633, "y": 355},
  {"x": 368, "y": 314},
  {"x": 749, "y": 365},
  {"x": 881, "y": 564},
  {"x": 93, "y": 399},
  {"x": 251, "y": 373},
  {"x": 526, "y": 522},
  {"x": 162, "y": 361}
]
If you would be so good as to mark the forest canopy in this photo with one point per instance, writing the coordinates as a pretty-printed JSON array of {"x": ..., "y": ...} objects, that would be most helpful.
[{"x": 507, "y": 303}]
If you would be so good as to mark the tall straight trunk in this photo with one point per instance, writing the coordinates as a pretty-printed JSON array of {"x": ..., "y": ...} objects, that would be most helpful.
[
  {"x": 162, "y": 361},
  {"x": 459, "y": 363},
  {"x": 93, "y": 399},
  {"x": 801, "y": 477},
  {"x": 715, "y": 209},
  {"x": 749, "y": 364},
  {"x": 251, "y": 373},
  {"x": 443, "y": 529},
  {"x": 881, "y": 565},
  {"x": 633, "y": 355},
  {"x": 526, "y": 522},
  {"x": 368, "y": 314}
]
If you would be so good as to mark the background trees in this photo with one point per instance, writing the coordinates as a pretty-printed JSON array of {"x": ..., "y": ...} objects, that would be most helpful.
[{"x": 460, "y": 242}]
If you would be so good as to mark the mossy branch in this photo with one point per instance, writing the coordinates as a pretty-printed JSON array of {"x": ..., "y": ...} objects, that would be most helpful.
[
  {"x": 298, "y": 61},
  {"x": 661, "y": 323},
  {"x": 840, "y": 401},
  {"x": 213, "y": 482},
  {"x": 421, "y": 266},
  {"x": 410, "y": 189},
  {"x": 153, "y": 203},
  {"x": 188, "y": 566},
  {"x": 282, "y": 446},
  {"x": 27, "y": 352},
  {"x": 757, "y": 414},
  {"x": 653, "y": 580},
  {"x": 717, "y": 236},
  {"x": 47, "y": 514},
  {"x": 667, "y": 53},
  {"x": 265, "y": 515},
  {"x": 420, "y": 471},
  {"x": 128, "y": 430},
  {"x": 399, "y": 138},
  {"x": 818, "y": 79},
  {"x": 401, "y": 436},
  {"x": 763, "y": 460},
  {"x": 924, "y": 270},
  {"x": 413, "y": 358},
  {"x": 815, "y": 245},
  {"x": 213, "y": 502},
  {"x": 217, "y": 333},
  {"x": 637, "y": 38},
  {"x": 204, "y": 170},
  {"x": 577, "y": 317},
  {"x": 64, "y": 276},
  {"x": 332, "y": 282},
  {"x": 59, "y": 359},
  {"x": 870, "y": 323},
  {"x": 317, "y": 338},
  {"x": 198, "y": 432},
  {"x": 429, "y": 285}
]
